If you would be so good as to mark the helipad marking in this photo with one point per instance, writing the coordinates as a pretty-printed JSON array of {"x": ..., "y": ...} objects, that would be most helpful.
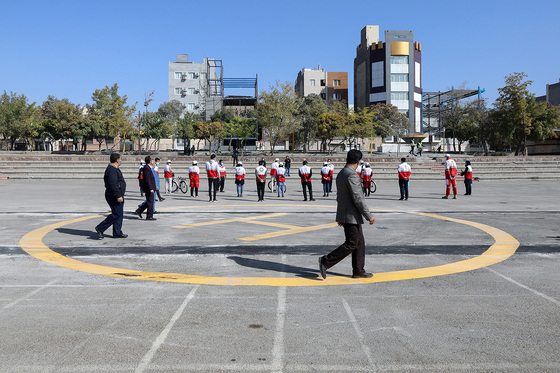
[{"x": 504, "y": 246}]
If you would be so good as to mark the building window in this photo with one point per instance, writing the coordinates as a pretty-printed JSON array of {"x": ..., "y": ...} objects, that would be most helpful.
[
  {"x": 399, "y": 96},
  {"x": 178, "y": 75},
  {"x": 399, "y": 60},
  {"x": 192, "y": 76},
  {"x": 337, "y": 96},
  {"x": 178, "y": 91},
  {"x": 377, "y": 74},
  {"x": 203, "y": 75},
  {"x": 190, "y": 106},
  {"x": 336, "y": 83},
  {"x": 312, "y": 82},
  {"x": 323, "y": 96},
  {"x": 192, "y": 91},
  {"x": 323, "y": 83},
  {"x": 399, "y": 78}
]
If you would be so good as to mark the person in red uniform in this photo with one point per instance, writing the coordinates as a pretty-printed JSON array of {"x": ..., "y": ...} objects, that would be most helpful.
[
  {"x": 467, "y": 173},
  {"x": 213, "y": 177},
  {"x": 223, "y": 174},
  {"x": 305, "y": 174},
  {"x": 450, "y": 173},
  {"x": 367, "y": 174},
  {"x": 194, "y": 177},
  {"x": 326, "y": 177},
  {"x": 404, "y": 176}
]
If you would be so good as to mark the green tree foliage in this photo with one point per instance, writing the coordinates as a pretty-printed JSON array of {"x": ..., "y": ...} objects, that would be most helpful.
[
  {"x": 171, "y": 111},
  {"x": 243, "y": 128},
  {"x": 461, "y": 122},
  {"x": 276, "y": 112},
  {"x": 156, "y": 127},
  {"x": 109, "y": 116},
  {"x": 18, "y": 118},
  {"x": 225, "y": 117},
  {"x": 207, "y": 131},
  {"x": 310, "y": 109},
  {"x": 184, "y": 129},
  {"x": 61, "y": 119},
  {"x": 329, "y": 126}
]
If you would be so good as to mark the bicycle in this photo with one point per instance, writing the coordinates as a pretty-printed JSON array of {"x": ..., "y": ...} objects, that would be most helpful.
[
  {"x": 182, "y": 184},
  {"x": 273, "y": 187}
]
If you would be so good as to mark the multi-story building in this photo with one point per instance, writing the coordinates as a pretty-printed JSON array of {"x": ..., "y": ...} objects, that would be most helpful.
[
  {"x": 330, "y": 86},
  {"x": 552, "y": 94},
  {"x": 198, "y": 86},
  {"x": 389, "y": 72}
]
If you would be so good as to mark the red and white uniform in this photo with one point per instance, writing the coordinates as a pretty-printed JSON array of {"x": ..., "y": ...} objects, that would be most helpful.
[
  {"x": 212, "y": 169},
  {"x": 222, "y": 170},
  {"x": 450, "y": 173},
  {"x": 167, "y": 171},
  {"x": 326, "y": 174},
  {"x": 194, "y": 176},
  {"x": 240, "y": 175},
  {"x": 273, "y": 168},
  {"x": 367, "y": 174},
  {"x": 468, "y": 172},
  {"x": 404, "y": 171},
  {"x": 280, "y": 174},
  {"x": 305, "y": 173},
  {"x": 260, "y": 173},
  {"x": 359, "y": 169}
]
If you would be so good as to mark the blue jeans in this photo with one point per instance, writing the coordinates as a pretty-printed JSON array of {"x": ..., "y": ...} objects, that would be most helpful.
[
  {"x": 239, "y": 189},
  {"x": 281, "y": 188}
]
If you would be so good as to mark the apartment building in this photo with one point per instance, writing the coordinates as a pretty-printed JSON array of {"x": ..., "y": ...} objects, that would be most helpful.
[{"x": 330, "y": 86}]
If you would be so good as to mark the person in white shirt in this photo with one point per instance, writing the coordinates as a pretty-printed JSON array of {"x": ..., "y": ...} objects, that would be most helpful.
[
  {"x": 281, "y": 179},
  {"x": 260, "y": 174},
  {"x": 305, "y": 174},
  {"x": 404, "y": 176},
  {"x": 194, "y": 177},
  {"x": 213, "y": 177},
  {"x": 168, "y": 174},
  {"x": 240, "y": 178},
  {"x": 450, "y": 173},
  {"x": 222, "y": 172}
]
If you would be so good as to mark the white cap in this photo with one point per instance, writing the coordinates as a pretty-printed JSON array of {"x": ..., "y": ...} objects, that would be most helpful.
[
  {"x": 194, "y": 162},
  {"x": 325, "y": 163},
  {"x": 276, "y": 159},
  {"x": 447, "y": 156},
  {"x": 168, "y": 161},
  {"x": 240, "y": 163},
  {"x": 367, "y": 164}
]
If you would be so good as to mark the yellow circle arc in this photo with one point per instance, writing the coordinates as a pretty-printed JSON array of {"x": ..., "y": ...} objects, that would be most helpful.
[{"x": 504, "y": 246}]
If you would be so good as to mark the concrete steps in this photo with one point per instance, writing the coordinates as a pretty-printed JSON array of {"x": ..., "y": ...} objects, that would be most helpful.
[{"x": 53, "y": 166}]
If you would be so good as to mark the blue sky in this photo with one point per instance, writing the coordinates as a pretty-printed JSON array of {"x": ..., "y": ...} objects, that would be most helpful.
[{"x": 71, "y": 48}]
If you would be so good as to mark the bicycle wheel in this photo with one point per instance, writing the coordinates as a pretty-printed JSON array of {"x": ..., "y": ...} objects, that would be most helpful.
[
  {"x": 183, "y": 186},
  {"x": 373, "y": 187},
  {"x": 174, "y": 186},
  {"x": 270, "y": 185}
]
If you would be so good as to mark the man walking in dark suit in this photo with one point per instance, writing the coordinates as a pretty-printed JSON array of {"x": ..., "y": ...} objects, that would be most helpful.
[
  {"x": 149, "y": 187},
  {"x": 351, "y": 207},
  {"x": 115, "y": 187}
]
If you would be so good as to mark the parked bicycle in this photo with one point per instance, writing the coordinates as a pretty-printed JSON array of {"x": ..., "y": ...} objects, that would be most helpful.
[
  {"x": 180, "y": 184},
  {"x": 273, "y": 187}
]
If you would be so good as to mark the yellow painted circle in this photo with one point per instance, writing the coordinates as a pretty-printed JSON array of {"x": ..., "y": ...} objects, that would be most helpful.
[{"x": 504, "y": 246}]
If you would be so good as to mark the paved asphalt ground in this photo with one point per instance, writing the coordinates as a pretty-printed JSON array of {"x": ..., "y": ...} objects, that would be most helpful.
[{"x": 499, "y": 318}]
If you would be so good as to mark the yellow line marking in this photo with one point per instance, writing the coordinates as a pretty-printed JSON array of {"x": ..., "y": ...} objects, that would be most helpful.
[
  {"x": 504, "y": 246},
  {"x": 229, "y": 220},
  {"x": 293, "y": 230}
]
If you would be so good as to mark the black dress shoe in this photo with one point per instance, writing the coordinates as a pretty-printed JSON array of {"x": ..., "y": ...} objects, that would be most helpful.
[
  {"x": 322, "y": 268},
  {"x": 363, "y": 275},
  {"x": 312, "y": 199},
  {"x": 162, "y": 199},
  {"x": 137, "y": 212},
  {"x": 99, "y": 233},
  {"x": 121, "y": 236},
  {"x": 151, "y": 219}
]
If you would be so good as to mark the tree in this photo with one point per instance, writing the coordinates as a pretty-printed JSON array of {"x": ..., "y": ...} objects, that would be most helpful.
[
  {"x": 389, "y": 121},
  {"x": 276, "y": 112},
  {"x": 310, "y": 109},
  {"x": 207, "y": 130},
  {"x": 329, "y": 125},
  {"x": 17, "y": 118},
  {"x": 155, "y": 126},
  {"x": 109, "y": 116},
  {"x": 225, "y": 117},
  {"x": 184, "y": 129},
  {"x": 461, "y": 122},
  {"x": 171, "y": 111},
  {"x": 243, "y": 128},
  {"x": 62, "y": 119}
]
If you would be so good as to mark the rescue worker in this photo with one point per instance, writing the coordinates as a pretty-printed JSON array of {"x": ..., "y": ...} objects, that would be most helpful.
[
  {"x": 404, "y": 171},
  {"x": 240, "y": 178},
  {"x": 140, "y": 177},
  {"x": 168, "y": 175},
  {"x": 260, "y": 174},
  {"x": 467, "y": 173},
  {"x": 331, "y": 166},
  {"x": 450, "y": 173},
  {"x": 326, "y": 177},
  {"x": 305, "y": 174},
  {"x": 367, "y": 174},
  {"x": 223, "y": 174},
  {"x": 274, "y": 167},
  {"x": 194, "y": 177},
  {"x": 359, "y": 168},
  {"x": 213, "y": 177},
  {"x": 281, "y": 179}
]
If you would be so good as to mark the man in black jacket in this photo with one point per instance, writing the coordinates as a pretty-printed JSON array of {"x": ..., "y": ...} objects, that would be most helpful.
[
  {"x": 149, "y": 186},
  {"x": 115, "y": 187}
]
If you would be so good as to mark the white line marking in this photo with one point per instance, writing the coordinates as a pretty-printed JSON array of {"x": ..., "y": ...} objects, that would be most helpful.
[
  {"x": 550, "y": 299},
  {"x": 29, "y": 295},
  {"x": 358, "y": 330},
  {"x": 278, "y": 347},
  {"x": 161, "y": 338}
]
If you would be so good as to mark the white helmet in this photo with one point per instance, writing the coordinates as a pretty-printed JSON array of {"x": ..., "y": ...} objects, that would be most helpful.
[
  {"x": 194, "y": 162},
  {"x": 276, "y": 159}
]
